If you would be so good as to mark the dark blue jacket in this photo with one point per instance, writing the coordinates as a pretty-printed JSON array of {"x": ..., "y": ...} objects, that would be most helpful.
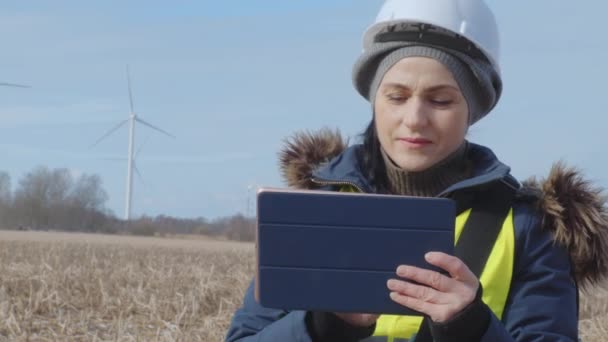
[{"x": 542, "y": 303}]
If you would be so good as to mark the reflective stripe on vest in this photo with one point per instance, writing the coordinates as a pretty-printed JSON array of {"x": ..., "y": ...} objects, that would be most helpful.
[
  {"x": 495, "y": 279},
  {"x": 384, "y": 339}
]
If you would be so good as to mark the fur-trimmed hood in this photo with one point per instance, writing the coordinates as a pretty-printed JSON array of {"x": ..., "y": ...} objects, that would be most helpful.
[{"x": 572, "y": 208}]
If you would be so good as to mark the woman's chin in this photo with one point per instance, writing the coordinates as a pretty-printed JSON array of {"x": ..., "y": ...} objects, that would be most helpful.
[{"x": 416, "y": 164}]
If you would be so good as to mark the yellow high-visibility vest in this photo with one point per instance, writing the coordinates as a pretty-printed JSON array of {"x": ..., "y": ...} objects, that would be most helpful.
[{"x": 495, "y": 280}]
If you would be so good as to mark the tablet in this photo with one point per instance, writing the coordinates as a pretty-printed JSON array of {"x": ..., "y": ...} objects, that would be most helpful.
[{"x": 335, "y": 251}]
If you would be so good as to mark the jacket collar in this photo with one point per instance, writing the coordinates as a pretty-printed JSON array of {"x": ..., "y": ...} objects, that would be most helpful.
[{"x": 345, "y": 168}]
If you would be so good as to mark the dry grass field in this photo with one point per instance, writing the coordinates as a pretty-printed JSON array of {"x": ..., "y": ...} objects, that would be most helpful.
[{"x": 85, "y": 287}]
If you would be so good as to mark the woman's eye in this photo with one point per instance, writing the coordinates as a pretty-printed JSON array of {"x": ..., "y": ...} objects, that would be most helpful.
[
  {"x": 396, "y": 98},
  {"x": 441, "y": 102}
]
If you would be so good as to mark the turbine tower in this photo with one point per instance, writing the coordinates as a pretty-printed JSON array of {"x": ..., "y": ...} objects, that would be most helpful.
[{"x": 132, "y": 120}]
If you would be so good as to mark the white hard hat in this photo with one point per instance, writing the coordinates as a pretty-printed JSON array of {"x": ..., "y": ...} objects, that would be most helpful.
[{"x": 471, "y": 19}]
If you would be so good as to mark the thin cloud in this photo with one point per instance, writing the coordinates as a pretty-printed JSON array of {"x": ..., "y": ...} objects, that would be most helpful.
[
  {"x": 33, "y": 151},
  {"x": 88, "y": 112}
]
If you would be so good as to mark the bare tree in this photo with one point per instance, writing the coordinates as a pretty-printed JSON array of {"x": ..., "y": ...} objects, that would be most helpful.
[
  {"x": 31, "y": 198},
  {"x": 51, "y": 199},
  {"x": 55, "y": 199},
  {"x": 86, "y": 203},
  {"x": 6, "y": 198},
  {"x": 238, "y": 227},
  {"x": 88, "y": 193}
]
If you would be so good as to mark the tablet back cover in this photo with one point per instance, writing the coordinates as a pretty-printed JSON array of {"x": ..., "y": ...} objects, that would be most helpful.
[{"x": 329, "y": 251}]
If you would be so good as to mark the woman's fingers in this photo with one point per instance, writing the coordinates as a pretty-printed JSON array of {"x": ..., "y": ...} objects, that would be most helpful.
[
  {"x": 453, "y": 265},
  {"x": 435, "y": 294},
  {"x": 430, "y": 278},
  {"x": 412, "y": 303},
  {"x": 458, "y": 270},
  {"x": 437, "y": 312},
  {"x": 423, "y": 293}
]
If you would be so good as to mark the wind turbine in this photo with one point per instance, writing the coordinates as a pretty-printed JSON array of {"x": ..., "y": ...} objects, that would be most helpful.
[
  {"x": 133, "y": 118},
  {"x": 250, "y": 187}
]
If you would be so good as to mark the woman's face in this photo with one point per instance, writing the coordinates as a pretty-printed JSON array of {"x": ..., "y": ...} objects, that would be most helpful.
[{"x": 421, "y": 115}]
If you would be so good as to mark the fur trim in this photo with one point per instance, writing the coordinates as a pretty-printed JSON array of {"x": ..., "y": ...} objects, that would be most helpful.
[
  {"x": 305, "y": 151},
  {"x": 576, "y": 213},
  {"x": 572, "y": 209}
]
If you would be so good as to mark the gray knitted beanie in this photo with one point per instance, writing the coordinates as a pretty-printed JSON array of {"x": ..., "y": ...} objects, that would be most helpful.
[{"x": 478, "y": 82}]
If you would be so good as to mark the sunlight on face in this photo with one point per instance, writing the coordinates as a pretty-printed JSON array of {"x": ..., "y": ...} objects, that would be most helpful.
[{"x": 421, "y": 114}]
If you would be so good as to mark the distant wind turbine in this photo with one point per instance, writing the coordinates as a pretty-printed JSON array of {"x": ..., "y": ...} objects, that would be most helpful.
[
  {"x": 250, "y": 188},
  {"x": 133, "y": 118}
]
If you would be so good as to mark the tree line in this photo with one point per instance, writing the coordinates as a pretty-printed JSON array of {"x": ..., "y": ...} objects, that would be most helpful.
[{"x": 58, "y": 200}]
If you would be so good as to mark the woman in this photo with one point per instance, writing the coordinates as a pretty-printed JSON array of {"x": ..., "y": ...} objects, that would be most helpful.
[{"x": 430, "y": 70}]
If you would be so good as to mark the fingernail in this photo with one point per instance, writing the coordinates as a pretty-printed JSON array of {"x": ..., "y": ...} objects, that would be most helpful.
[
  {"x": 393, "y": 295},
  {"x": 391, "y": 283},
  {"x": 401, "y": 270},
  {"x": 428, "y": 256}
]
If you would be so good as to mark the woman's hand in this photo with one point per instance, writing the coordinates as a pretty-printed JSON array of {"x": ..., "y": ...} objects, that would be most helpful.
[
  {"x": 358, "y": 319},
  {"x": 438, "y": 296}
]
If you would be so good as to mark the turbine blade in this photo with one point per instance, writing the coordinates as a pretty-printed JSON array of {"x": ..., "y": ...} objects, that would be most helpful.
[
  {"x": 14, "y": 85},
  {"x": 140, "y": 147},
  {"x": 108, "y": 133},
  {"x": 154, "y": 127},
  {"x": 130, "y": 92},
  {"x": 141, "y": 179}
]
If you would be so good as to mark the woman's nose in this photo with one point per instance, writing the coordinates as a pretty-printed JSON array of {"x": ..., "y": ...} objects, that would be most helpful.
[{"x": 414, "y": 114}]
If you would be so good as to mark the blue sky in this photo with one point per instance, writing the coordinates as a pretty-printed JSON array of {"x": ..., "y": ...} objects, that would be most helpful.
[{"x": 231, "y": 79}]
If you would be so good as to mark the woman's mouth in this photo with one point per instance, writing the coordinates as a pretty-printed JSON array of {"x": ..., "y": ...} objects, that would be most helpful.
[{"x": 416, "y": 142}]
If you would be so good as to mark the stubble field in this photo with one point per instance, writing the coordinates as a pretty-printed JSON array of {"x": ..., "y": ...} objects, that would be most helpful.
[{"x": 86, "y": 287}]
